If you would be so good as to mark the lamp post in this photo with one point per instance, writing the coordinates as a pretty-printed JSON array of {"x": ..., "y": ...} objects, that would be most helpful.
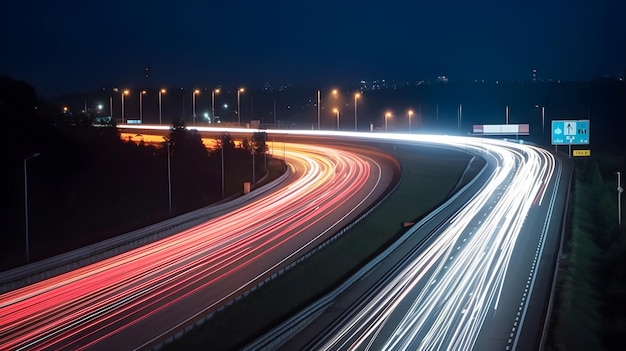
[
  {"x": 26, "y": 203},
  {"x": 213, "y": 92},
  {"x": 318, "y": 109},
  {"x": 222, "y": 166},
  {"x": 169, "y": 178},
  {"x": 239, "y": 91},
  {"x": 161, "y": 92},
  {"x": 543, "y": 121},
  {"x": 125, "y": 92},
  {"x": 387, "y": 115},
  {"x": 506, "y": 112},
  {"x": 111, "y": 107},
  {"x": 460, "y": 121},
  {"x": 336, "y": 110},
  {"x": 253, "y": 170},
  {"x": 356, "y": 97},
  {"x": 620, "y": 190},
  {"x": 193, "y": 104},
  {"x": 410, "y": 114},
  {"x": 141, "y": 106}
]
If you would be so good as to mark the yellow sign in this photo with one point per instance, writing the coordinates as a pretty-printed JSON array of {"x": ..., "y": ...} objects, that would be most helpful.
[{"x": 582, "y": 152}]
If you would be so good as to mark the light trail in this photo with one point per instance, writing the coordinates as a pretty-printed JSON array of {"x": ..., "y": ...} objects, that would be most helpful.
[
  {"x": 117, "y": 301},
  {"x": 441, "y": 298}
]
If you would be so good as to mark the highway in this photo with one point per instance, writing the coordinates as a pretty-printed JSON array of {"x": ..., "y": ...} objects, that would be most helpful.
[
  {"x": 136, "y": 299},
  {"x": 474, "y": 277}
]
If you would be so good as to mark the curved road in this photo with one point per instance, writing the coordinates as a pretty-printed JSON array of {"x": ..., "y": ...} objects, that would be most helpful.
[
  {"x": 138, "y": 298},
  {"x": 465, "y": 279}
]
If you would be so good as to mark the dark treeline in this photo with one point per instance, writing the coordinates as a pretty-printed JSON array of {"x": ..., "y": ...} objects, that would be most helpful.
[{"x": 87, "y": 184}]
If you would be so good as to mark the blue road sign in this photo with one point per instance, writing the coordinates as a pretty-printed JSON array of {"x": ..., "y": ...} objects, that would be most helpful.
[{"x": 575, "y": 132}]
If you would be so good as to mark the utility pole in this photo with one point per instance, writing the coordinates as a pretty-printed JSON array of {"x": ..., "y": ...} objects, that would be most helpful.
[
  {"x": 318, "y": 109},
  {"x": 26, "y": 204},
  {"x": 222, "y": 166},
  {"x": 169, "y": 178},
  {"x": 620, "y": 190}
]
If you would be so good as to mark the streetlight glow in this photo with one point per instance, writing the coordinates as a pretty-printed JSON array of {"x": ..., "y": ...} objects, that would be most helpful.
[
  {"x": 356, "y": 97},
  {"x": 194, "y": 104},
  {"x": 318, "y": 109},
  {"x": 143, "y": 92},
  {"x": 410, "y": 114},
  {"x": 213, "y": 92},
  {"x": 124, "y": 93},
  {"x": 161, "y": 92},
  {"x": 387, "y": 115},
  {"x": 241, "y": 90},
  {"x": 336, "y": 110}
]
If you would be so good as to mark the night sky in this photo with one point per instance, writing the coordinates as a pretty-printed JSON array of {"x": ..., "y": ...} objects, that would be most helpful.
[{"x": 75, "y": 46}]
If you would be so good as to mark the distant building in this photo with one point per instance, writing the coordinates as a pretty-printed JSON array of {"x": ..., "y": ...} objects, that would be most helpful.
[
  {"x": 534, "y": 75},
  {"x": 442, "y": 79}
]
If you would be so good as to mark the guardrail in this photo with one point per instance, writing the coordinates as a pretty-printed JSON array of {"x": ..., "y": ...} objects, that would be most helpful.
[
  {"x": 555, "y": 274},
  {"x": 53, "y": 266}
]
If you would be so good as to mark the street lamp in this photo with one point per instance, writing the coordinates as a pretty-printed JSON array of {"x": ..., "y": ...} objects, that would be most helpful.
[
  {"x": 223, "y": 166},
  {"x": 336, "y": 110},
  {"x": 620, "y": 190},
  {"x": 161, "y": 92},
  {"x": 318, "y": 109},
  {"x": 213, "y": 92},
  {"x": 239, "y": 106},
  {"x": 460, "y": 118},
  {"x": 125, "y": 92},
  {"x": 141, "y": 106},
  {"x": 194, "y": 104},
  {"x": 506, "y": 112},
  {"x": 410, "y": 114},
  {"x": 387, "y": 115},
  {"x": 253, "y": 166},
  {"x": 543, "y": 119},
  {"x": 356, "y": 97},
  {"x": 169, "y": 178},
  {"x": 26, "y": 203}
]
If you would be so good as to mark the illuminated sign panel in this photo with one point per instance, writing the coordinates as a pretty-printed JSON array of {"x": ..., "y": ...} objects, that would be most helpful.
[
  {"x": 581, "y": 152},
  {"x": 501, "y": 129},
  {"x": 574, "y": 132}
]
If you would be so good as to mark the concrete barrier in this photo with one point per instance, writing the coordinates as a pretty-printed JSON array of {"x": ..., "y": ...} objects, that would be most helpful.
[{"x": 53, "y": 266}]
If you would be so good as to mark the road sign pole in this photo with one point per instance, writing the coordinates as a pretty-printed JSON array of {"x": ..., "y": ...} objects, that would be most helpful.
[{"x": 570, "y": 151}]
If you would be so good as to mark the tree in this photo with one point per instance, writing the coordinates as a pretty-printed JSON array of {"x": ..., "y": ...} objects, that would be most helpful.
[{"x": 259, "y": 144}]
